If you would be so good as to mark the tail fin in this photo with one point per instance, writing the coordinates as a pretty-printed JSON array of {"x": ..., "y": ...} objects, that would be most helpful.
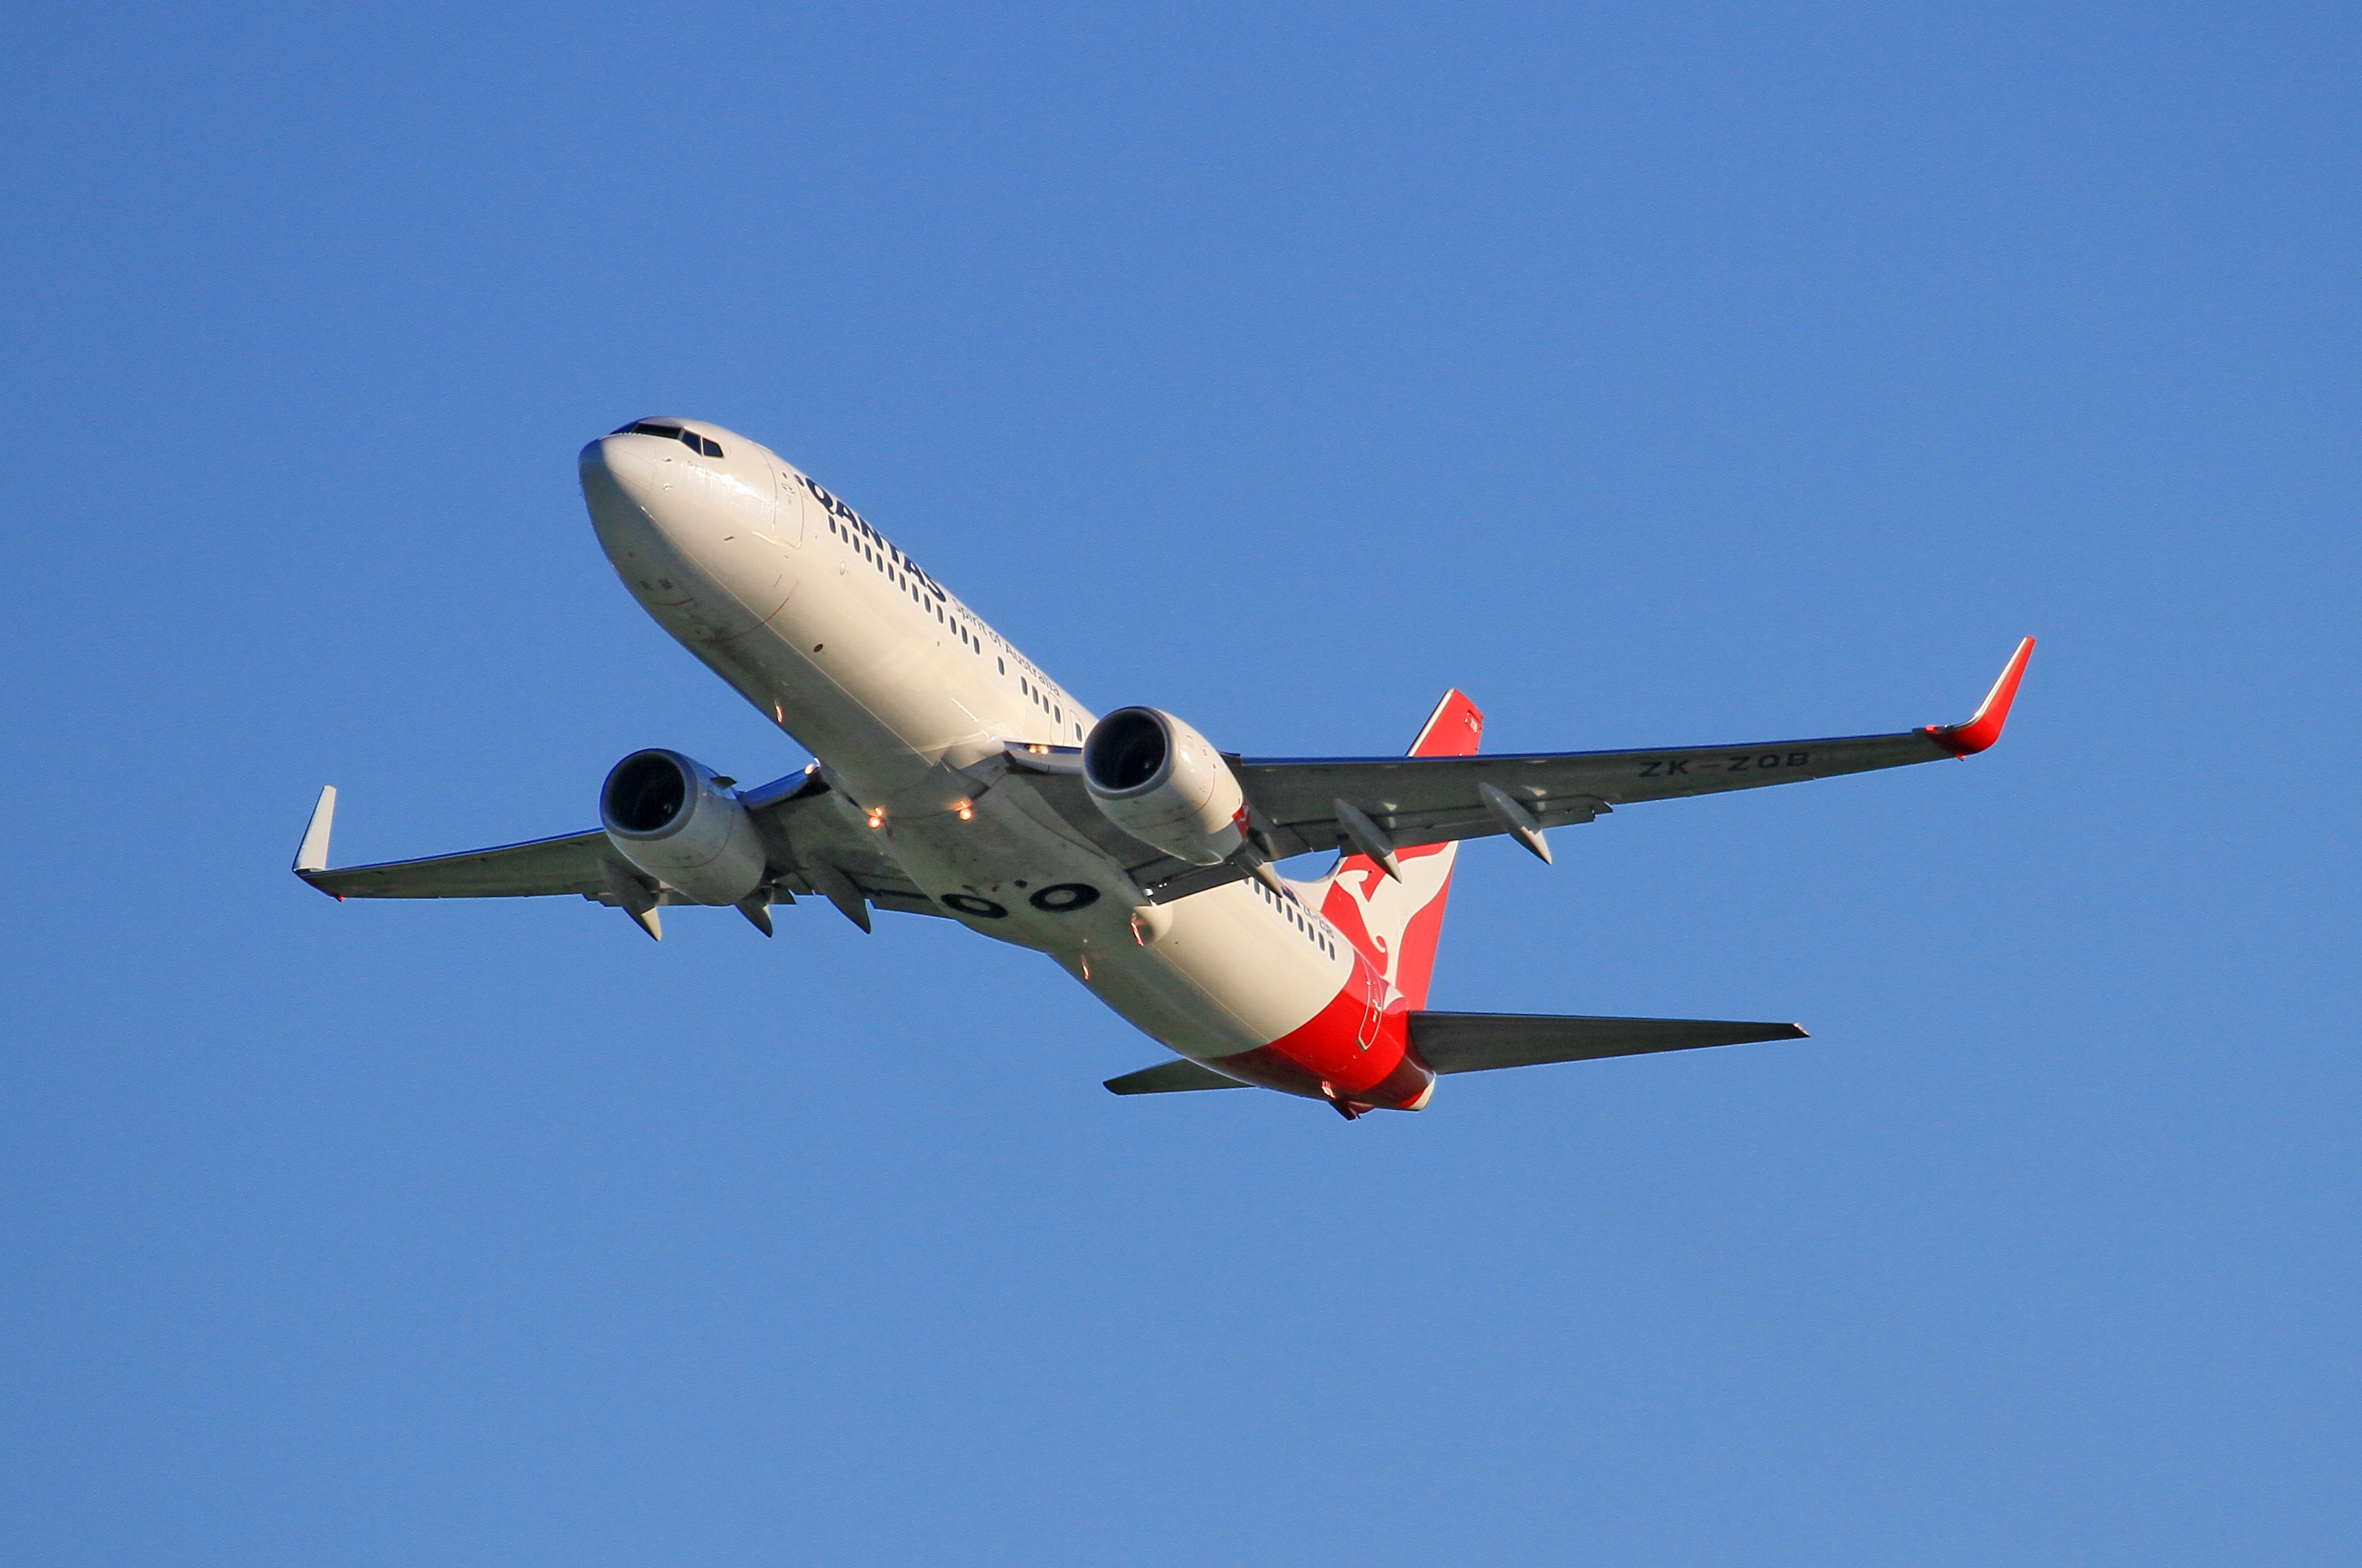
[{"x": 1396, "y": 924}]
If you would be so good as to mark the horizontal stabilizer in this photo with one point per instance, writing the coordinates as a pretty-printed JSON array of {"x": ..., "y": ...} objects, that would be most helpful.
[
  {"x": 1171, "y": 1078},
  {"x": 1480, "y": 1041}
]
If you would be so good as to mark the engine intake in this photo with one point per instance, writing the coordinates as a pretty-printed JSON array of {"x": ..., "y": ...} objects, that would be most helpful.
[
  {"x": 1164, "y": 784},
  {"x": 668, "y": 816}
]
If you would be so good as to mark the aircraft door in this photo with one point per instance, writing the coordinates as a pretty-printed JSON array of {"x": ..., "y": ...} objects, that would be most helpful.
[
  {"x": 795, "y": 503},
  {"x": 744, "y": 487},
  {"x": 750, "y": 491}
]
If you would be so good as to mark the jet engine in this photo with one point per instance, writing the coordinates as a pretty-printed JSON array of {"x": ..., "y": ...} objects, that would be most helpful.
[
  {"x": 677, "y": 823},
  {"x": 1164, "y": 784}
]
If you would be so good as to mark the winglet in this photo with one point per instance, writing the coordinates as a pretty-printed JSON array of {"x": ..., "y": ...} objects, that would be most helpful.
[
  {"x": 311, "y": 855},
  {"x": 1966, "y": 740}
]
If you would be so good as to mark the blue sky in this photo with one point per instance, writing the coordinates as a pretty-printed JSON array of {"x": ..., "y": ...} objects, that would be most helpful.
[{"x": 1668, "y": 375}]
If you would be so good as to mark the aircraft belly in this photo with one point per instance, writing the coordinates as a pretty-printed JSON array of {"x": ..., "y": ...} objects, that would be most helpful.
[
  {"x": 1227, "y": 977},
  {"x": 834, "y": 662},
  {"x": 1005, "y": 875},
  {"x": 1237, "y": 986},
  {"x": 1211, "y": 976},
  {"x": 892, "y": 700},
  {"x": 837, "y": 675},
  {"x": 1164, "y": 1003}
]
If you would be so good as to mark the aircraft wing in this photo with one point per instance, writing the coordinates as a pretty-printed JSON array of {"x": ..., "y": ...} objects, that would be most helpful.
[
  {"x": 817, "y": 843},
  {"x": 1294, "y": 805},
  {"x": 567, "y": 865}
]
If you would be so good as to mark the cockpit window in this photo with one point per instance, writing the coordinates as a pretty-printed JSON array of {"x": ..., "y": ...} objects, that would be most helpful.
[{"x": 688, "y": 438}]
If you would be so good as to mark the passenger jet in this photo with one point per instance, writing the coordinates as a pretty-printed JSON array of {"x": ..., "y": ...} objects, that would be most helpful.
[{"x": 953, "y": 778}]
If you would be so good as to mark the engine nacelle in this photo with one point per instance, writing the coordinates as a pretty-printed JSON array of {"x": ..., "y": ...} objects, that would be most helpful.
[
  {"x": 669, "y": 817},
  {"x": 1164, "y": 784}
]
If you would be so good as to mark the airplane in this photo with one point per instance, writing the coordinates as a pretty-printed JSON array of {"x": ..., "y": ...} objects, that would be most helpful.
[{"x": 954, "y": 777}]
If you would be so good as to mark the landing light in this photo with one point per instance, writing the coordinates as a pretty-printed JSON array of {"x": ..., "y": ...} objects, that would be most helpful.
[
  {"x": 966, "y": 812},
  {"x": 877, "y": 816}
]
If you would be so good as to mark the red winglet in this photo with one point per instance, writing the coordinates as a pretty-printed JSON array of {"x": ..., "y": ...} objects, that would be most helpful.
[{"x": 1965, "y": 740}]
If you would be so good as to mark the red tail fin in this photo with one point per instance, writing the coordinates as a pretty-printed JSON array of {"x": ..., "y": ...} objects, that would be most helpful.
[{"x": 1396, "y": 924}]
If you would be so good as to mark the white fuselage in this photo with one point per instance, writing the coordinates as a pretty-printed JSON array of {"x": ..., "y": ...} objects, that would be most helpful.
[{"x": 908, "y": 699}]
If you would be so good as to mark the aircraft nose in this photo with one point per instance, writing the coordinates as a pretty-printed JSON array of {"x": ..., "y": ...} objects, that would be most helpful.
[
  {"x": 623, "y": 485},
  {"x": 695, "y": 566},
  {"x": 618, "y": 467}
]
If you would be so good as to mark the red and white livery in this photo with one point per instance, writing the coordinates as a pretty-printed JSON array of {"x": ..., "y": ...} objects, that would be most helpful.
[{"x": 953, "y": 778}]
